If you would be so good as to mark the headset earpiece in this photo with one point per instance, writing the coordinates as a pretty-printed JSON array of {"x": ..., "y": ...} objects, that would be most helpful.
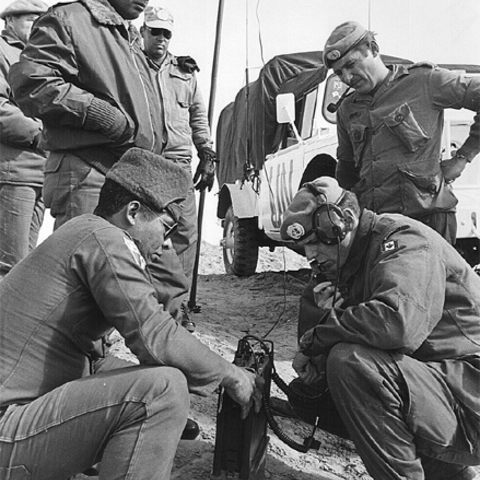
[{"x": 329, "y": 224}]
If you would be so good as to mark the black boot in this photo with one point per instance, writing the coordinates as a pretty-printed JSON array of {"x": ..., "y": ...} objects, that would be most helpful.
[{"x": 191, "y": 430}]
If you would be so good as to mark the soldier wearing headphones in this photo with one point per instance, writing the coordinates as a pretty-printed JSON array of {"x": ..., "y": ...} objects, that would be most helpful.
[{"x": 394, "y": 357}]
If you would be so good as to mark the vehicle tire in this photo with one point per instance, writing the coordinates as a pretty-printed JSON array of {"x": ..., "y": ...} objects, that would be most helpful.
[{"x": 240, "y": 244}]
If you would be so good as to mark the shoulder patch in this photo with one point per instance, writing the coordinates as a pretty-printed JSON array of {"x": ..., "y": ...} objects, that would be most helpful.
[
  {"x": 137, "y": 256},
  {"x": 389, "y": 245}
]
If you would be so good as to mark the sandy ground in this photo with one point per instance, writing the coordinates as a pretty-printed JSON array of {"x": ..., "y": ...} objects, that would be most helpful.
[{"x": 230, "y": 308}]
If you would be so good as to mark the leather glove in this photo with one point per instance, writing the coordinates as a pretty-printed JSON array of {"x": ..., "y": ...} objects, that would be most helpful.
[{"x": 205, "y": 174}]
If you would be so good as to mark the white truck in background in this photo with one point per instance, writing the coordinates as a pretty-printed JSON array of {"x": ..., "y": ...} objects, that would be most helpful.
[{"x": 279, "y": 134}]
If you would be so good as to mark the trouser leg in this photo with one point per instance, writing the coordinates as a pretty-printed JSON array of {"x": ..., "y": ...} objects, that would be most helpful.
[
  {"x": 170, "y": 282},
  {"x": 19, "y": 221},
  {"x": 131, "y": 419},
  {"x": 37, "y": 219},
  {"x": 397, "y": 410},
  {"x": 445, "y": 223},
  {"x": 185, "y": 238},
  {"x": 71, "y": 188}
]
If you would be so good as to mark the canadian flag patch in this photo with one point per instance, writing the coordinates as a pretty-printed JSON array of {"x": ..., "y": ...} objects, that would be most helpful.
[{"x": 389, "y": 245}]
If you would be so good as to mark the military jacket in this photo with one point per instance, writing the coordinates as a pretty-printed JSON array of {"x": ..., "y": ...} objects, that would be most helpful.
[
  {"x": 389, "y": 148},
  {"x": 57, "y": 304},
  {"x": 408, "y": 291}
]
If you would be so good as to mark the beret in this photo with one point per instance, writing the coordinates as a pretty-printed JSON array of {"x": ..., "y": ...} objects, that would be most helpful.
[
  {"x": 341, "y": 41},
  {"x": 297, "y": 219},
  {"x": 22, "y": 7},
  {"x": 158, "y": 17},
  {"x": 154, "y": 180}
]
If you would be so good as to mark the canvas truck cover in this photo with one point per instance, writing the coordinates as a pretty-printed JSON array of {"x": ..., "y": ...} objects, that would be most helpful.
[{"x": 247, "y": 128}]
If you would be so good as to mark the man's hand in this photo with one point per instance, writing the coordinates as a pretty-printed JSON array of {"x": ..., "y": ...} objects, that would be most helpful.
[
  {"x": 245, "y": 387},
  {"x": 453, "y": 168},
  {"x": 323, "y": 296},
  {"x": 205, "y": 174},
  {"x": 310, "y": 369}
]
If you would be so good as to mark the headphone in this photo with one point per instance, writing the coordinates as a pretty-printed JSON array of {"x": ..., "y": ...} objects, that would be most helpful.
[{"x": 328, "y": 220}]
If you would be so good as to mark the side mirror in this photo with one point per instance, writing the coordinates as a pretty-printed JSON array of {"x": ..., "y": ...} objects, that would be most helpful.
[{"x": 285, "y": 108}]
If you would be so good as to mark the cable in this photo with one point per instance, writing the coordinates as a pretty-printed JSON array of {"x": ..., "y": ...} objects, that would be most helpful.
[
  {"x": 260, "y": 34},
  {"x": 284, "y": 296}
]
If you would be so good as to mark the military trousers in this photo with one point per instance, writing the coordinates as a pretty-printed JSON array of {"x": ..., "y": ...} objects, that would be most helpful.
[
  {"x": 400, "y": 414},
  {"x": 21, "y": 217},
  {"x": 129, "y": 419}
]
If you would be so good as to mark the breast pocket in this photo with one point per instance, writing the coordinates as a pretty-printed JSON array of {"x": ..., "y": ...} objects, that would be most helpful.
[
  {"x": 403, "y": 124},
  {"x": 357, "y": 134}
]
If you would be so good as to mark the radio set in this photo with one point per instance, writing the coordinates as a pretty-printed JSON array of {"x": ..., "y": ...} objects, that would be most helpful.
[{"x": 241, "y": 445}]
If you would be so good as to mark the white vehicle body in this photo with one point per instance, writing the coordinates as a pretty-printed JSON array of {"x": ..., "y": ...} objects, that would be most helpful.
[{"x": 308, "y": 148}]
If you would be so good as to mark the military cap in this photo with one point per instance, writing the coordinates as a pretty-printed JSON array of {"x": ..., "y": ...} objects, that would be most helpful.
[
  {"x": 159, "y": 183},
  {"x": 342, "y": 40},
  {"x": 298, "y": 218},
  {"x": 158, "y": 17},
  {"x": 23, "y": 7}
]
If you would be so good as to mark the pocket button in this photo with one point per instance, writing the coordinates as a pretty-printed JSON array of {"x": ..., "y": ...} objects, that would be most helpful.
[{"x": 399, "y": 117}]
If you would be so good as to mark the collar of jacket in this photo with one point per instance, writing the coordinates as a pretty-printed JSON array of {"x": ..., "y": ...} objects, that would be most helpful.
[
  {"x": 12, "y": 39},
  {"x": 104, "y": 13},
  {"x": 397, "y": 71},
  {"x": 169, "y": 59},
  {"x": 359, "y": 246}
]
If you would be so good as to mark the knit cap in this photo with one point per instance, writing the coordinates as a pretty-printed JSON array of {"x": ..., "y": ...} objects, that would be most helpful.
[
  {"x": 298, "y": 218},
  {"x": 341, "y": 41},
  {"x": 155, "y": 181},
  {"x": 23, "y": 7}
]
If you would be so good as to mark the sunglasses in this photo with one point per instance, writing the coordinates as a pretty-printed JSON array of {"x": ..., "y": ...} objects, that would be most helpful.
[
  {"x": 169, "y": 224},
  {"x": 156, "y": 32},
  {"x": 170, "y": 229}
]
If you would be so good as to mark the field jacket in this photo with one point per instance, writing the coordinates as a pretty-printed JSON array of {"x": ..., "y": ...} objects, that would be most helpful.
[
  {"x": 184, "y": 113},
  {"x": 56, "y": 305},
  {"x": 20, "y": 161},
  {"x": 79, "y": 51},
  {"x": 408, "y": 291},
  {"x": 389, "y": 144}
]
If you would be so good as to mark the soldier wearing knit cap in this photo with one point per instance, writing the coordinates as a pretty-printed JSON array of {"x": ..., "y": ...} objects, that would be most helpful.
[
  {"x": 89, "y": 277},
  {"x": 396, "y": 330},
  {"x": 24, "y": 7},
  {"x": 390, "y": 136},
  {"x": 22, "y": 162}
]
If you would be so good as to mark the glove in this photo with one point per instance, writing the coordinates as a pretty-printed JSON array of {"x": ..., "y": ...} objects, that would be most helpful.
[
  {"x": 205, "y": 174},
  {"x": 310, "y": 369}
]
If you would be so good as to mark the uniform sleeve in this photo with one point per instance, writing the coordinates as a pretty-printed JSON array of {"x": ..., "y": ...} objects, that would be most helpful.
[
  {"x": 43, "y": 81},
  {"x": 112, "y": 272},
  {"x": 346, "y": 173},
  {"x": 404, "y": 300},
  {"x": 449, "y": 89},
  {"x": 15, "y": 128},
  {"x": 199, "y": 120}
]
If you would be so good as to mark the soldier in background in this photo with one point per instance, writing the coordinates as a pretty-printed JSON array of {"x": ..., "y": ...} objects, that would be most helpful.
[
  {"x": 185, "y": 122},
  {"x": 22, "y": 162}
]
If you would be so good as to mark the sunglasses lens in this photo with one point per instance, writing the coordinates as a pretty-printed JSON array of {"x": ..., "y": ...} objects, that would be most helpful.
[
  {"x": 169, "y": 231},
  {"x": 156, "y": 32}
]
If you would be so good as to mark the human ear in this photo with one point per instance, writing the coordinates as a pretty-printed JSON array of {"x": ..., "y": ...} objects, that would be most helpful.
[
  {"x": 350, "y": 219},
  {"x": 131, "y": 211}
]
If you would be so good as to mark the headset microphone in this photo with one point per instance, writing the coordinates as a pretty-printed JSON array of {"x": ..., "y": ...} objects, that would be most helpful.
[{"x": 333, "y": 107}]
